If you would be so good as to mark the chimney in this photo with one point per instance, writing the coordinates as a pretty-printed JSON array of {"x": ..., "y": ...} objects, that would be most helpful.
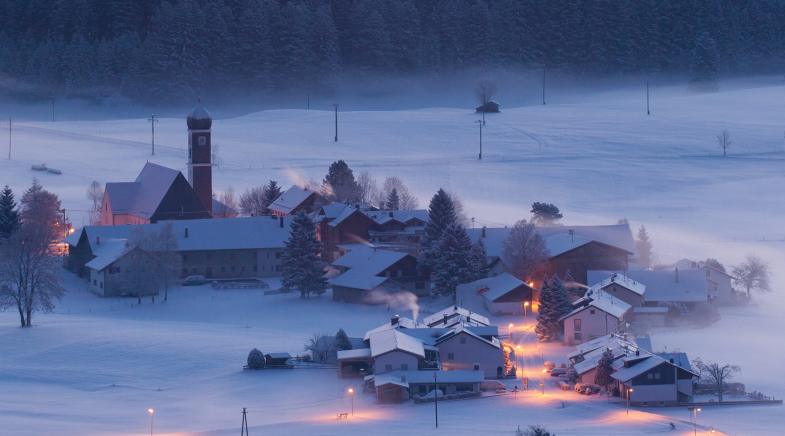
[
  {"x": 637, "y": 352},
  {"x": 572, "y": 236},
  {"x": 394, "y": 320},
  {"x": 97, "y": 240},
  {"x": 670, "y": 360},
  {"x": 186, "y": 232},
  {"x": 676, "y": 273},
  {"x": 280, "y": 222}
]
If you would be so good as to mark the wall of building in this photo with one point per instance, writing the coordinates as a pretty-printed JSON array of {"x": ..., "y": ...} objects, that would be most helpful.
[
  {"x": 624, "y": 294},
  {"x": 515, "y": 308},
  {"x": 463, "y": 351},
  {"x": 592, "y": 256},
  {"x": 594, "y": 323},
  {"x": 232, "y": 264},
  {"x": 96, "y": 283},
  {"x": 397, "y": 361}
]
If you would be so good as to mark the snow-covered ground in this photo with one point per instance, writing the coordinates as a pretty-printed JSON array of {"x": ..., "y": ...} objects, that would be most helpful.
[{"x": 96, "y": 365}]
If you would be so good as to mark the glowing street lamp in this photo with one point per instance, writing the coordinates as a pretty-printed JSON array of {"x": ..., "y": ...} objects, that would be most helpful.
[
  {"x": 509, "y": 330},
  {"x": 525, "y": 307},
  {"x": 350, "y": 391},
  {"x": 629, "y": 391},
  {"x": 542, "y": 383},
  {"x": 151, "y": 412},
  {"x": 695, "y": 411}
]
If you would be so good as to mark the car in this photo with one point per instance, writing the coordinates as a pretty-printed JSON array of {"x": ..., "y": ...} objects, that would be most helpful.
[
  {"x": 555, "y": 372},
  {"x": 549, "y": 365},
  {"x": 194, "y": 280}
]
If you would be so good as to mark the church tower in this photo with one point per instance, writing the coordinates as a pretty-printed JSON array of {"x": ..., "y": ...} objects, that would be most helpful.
[{"x": 200, "y": 166}]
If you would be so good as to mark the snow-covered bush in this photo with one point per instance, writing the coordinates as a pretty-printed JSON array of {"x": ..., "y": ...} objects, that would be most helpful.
[{"x": 255, "y": 359}]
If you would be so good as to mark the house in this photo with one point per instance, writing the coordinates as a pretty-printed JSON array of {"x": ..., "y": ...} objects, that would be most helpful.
[
  {"x": 503, "y": 294},
  {"x": 595, "y": 315},
  {"x": 622, "y": 287},
  {"x": 399, "y": 386},
  {"x": 680, "y": 291},
  {"x": 655, "y": 381},
  {"x": 230, "y": 248},
  {"x": 158, "y": 193},
  {"x": 572, "y": 250},
  {"x": 400, "y": 230},
  {"x": 586, "y": 356},
  {"x": 368, "y": 271},
  {"x": 112, "y": 257},
  {"x": 337, "y": 224},
  {"x": 295, "y": 200},
  {"x": 463, "y": 344},
  {"x": 720, "y": 282}
]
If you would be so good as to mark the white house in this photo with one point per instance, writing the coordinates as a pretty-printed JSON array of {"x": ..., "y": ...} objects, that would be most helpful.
[{"x": 596, "y": 314}]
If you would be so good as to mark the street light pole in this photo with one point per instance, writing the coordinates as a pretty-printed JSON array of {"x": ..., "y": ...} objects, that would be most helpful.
[
  {"x": 695, "y": 411},
  {"x": 629, "y": 391},
  {"x": 151, "y": 411},
  {"x": 351, "y": 394}
]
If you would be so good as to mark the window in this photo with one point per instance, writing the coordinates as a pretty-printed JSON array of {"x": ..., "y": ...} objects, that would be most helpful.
[
  {"x": 102, "y": 285},
  {"x": 577, "y": 336},
  {"x": 95, "y": 282},
  {"x": 450, "y": 356},
  {"x": 388, "y": 367},
  {"x": 592, "y": 311},
  {"x": 656, "y": 376},
  {"x": 277, "y": 254},
  {"x": 404, "y": 366},
  {"x": 576, "y": 324}
]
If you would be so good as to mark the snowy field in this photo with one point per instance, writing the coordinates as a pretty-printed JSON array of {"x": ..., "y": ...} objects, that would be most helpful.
[{"x": 95, "y": 365}]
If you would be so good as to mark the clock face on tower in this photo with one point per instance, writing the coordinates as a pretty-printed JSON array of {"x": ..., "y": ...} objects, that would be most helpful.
[{"x": 202, "y": 140}]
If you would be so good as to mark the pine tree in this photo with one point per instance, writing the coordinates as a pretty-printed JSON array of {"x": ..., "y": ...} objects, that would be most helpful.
[
  {"x": 453, "y": 265},
  {"x": 441, "y": 214},
  {"x": 9, "y": 215},
  {"x": 479, "y": 259},
  {"x": 342, "y": 341},
  {"x": 545, "y": 213},
  {"x": 644, "y": 247},
  {"x": 604, "y": 370},
  {"x": 340, "y": 183},
  {"x": 393, "y": 202},
  {"x": 270, "y": 193},
  {"x": 301, "y": 264},
  {"x": 554, "y": 304}
]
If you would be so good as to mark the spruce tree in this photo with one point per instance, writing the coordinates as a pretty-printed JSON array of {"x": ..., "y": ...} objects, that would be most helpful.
[
  {"x": 340, "y": 183},
  {"x": 270, "y": 193},
  {"x": 479, "y": 259},
  {"x": 545, "y": 213},
  {"x": 604, "y": 370},
  {"x": 554, "y": 304},
  {"x": 9, "y": 215},
  {"x": 342, "y": 341},
  {"x": 301, "y": 264},
  {"x": 393, "y": 202},
  {"x": 453, "y": 265},
  {"x": 644, "y": 247},
  {"x": 441, "y": 214}
]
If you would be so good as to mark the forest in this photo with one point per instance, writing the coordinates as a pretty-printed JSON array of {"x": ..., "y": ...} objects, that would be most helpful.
[{"x": 149, "y": 50}]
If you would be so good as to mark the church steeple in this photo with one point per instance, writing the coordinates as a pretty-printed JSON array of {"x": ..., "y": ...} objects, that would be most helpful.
[{"x": 200, "y": 166}]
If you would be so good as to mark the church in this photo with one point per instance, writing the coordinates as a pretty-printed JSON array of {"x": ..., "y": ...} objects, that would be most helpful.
[{"x": 161, "y": 193}]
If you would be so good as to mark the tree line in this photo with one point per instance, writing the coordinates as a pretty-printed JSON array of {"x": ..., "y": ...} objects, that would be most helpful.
[{"x": 150, "y": 49}]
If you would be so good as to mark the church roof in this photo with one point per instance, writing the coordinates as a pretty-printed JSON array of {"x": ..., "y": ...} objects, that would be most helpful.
[
  {"x": 142, "y": 196},
  {"x": 199, "y": 118}
]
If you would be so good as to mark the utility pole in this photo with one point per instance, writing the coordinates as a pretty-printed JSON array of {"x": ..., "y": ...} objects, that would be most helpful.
[
  {"x": 308, "y": 102},
  {"x": 480, "y": 123},
  {"x": 244, "y": 425},
  {"x": 483, "y": 115},
  {"x": 10, "y": 124},
  {"x": 543, "y": 86},
  {"x": 335, "y": 105},
  {"x": 648, "y": 112},
  {"x": 435, "y": 400},
  {"x": 53, "y": 107},
  {"x": 152, "y": 121}
]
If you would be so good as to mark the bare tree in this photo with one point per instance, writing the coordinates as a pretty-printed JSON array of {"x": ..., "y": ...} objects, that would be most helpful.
[
  {"x": 406, "y": 201},
  {"x": 95, "y": 193},
  {"x": 485, "y": 90},
  {"x": 723, "y": 139},
  {"x": 753, "y": 273},
  {"x": 253, "y": 202},
  {"x": 228, "y": 206},
  {"x": 168, "y": 261},
  {"x": 369, "y": 191},
  {"x": 29, "y": 267},
  {"x": 141, "y": 275},
  {"x": 716, "y": 374},
  {"x": 524, "y": 251}
]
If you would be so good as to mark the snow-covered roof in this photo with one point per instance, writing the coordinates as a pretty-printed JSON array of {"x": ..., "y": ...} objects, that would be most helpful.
[
  {"x": 402, "y": 216},
  {"x": 493, "y": 288},
  {"x": 604, "y": 302},
  {"x": 677, "y": 286},
  {"x": 278, "y": 355},
  {"x": 392, "y": 339},
  {"x": 494, "y": 342},
  {"x": 650, "y": 309},
  {"x": 355, "y": 353},
  {"x": 404, "y": 378},
  {"x": 400, "y": 322},
  {"x": 206, "y": 234},
  {"x": 142, "y": 196},
  {"x": 652, "y": 361},
  {"x": 369, "y": 260},
  {"x": 560, "y": 239},
  {"x": 107, "y": 253},
  {"x": 290, "y": 199},
  {"x": 619, "y": 348},
  {"x": 680, "y": 359},
  {"x": 357, "y": 279},
  {"x": 452, "y": 315},
  {"x": 621, "y": 280}
]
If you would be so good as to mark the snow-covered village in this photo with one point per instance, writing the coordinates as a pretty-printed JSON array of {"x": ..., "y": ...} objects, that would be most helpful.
[{"x": 332, "y": 244}]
